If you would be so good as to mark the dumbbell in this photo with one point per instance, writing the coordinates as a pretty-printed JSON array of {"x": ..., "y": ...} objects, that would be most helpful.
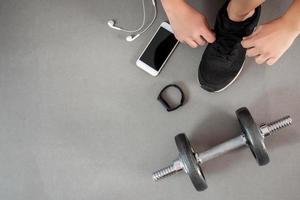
[{"x": 252, "y": 136}]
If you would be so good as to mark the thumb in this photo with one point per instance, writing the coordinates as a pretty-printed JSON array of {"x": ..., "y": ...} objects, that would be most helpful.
[{"x": 209, "y": 35}]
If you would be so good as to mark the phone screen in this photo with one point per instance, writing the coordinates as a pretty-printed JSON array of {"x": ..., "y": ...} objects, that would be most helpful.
[{"x": 159, "y": 49}]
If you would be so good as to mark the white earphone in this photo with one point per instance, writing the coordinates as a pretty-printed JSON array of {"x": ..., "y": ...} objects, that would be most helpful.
[
  {"x": 112, "y": 24},
  {"x": 130, "y": 38}
]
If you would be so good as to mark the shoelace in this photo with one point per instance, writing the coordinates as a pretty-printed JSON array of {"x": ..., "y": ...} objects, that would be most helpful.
[{"x": 225, "y": 42}]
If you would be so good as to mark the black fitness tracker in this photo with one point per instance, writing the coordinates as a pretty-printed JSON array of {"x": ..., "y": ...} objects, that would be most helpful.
[{"x": 163, "y": 101}]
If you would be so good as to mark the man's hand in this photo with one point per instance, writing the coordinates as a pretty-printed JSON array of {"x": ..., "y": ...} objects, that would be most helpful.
[
  {"x": 188, "y": 24},
  {"x": 269, "y": 41}
]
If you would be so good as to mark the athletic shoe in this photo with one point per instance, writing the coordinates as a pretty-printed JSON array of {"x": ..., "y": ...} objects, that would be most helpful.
[{"x": 223, "y": 60}]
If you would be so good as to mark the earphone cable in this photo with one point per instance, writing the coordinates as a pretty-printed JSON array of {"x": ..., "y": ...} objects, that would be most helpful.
[
  {"x": 143, "y": 23},
  {"x": 154, "y": 17}
]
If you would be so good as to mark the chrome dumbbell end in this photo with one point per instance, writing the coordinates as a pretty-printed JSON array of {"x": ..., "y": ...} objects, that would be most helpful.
[
  {"x": 270, "y": 128},
  {"x": 175, "y": 167},
  {"x": 162, "y": 173}
]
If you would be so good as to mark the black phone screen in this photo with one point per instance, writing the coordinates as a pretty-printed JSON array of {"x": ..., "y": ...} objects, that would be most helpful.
[{"x": 159, "y": 49}]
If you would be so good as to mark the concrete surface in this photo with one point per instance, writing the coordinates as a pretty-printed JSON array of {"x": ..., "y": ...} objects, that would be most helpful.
[{"x": 78, "y": 120}]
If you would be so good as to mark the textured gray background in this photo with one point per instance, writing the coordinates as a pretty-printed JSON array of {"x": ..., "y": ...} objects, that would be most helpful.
[{"x": 78, "y": 120}]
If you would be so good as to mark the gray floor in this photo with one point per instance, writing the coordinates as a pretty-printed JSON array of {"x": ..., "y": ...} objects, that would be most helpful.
[{"x": 78, "y": 120}]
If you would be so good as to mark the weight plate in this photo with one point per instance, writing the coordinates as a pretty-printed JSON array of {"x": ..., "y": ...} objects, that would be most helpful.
[
  {"x": 189, "y": 162},
  {"x": 254, "y": 138}
]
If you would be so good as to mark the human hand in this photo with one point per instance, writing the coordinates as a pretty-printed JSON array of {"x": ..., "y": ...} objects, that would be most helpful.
[
  {"x": 269, "y": 41},
  {"x": 188, "y": 24}
]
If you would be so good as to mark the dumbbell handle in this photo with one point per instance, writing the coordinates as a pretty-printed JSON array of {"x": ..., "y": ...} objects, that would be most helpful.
[
  {"x": 234, "y": 143},
  {"x": 221, "y": 149}
]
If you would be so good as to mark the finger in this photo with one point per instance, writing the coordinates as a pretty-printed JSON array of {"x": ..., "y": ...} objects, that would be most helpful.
[
  {"x": 200, "y": 41},
  {"x": 191, "y": 43},
  {"x": 208, "y": 35},
  {"x": 247, "y": 43},
  {"x": 272, "y": 61},
  {"x": 252, "y": 52},
  {"x": 261, "y": 59}
]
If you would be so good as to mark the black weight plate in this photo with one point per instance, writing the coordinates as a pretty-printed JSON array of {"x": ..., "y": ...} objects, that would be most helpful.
[
  {"x": 254, "y": 138},
  {"x": 188, "y": 159}
]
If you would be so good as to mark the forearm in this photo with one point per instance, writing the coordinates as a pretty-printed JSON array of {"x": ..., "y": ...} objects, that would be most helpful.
[{"x": 292, "y": 15}]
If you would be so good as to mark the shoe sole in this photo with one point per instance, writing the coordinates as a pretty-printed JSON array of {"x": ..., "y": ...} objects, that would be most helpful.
[{"x": 231, "y": 82}]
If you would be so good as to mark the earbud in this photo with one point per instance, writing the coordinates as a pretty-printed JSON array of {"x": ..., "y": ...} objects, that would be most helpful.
[
  {"x": 111, "y": 24},
  {"x": 139, "y": 31},
  {"x": 130, "y": 38}
]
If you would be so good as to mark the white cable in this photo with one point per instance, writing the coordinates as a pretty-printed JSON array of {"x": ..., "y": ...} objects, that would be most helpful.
[
  {"x": 131, "y": 38},
  {"x": 154, "y": 17},
  {"x": 143, "y": 23}
]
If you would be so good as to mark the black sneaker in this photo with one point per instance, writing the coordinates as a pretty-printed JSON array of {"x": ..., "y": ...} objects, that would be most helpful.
[{"x": 223, "y": 60}]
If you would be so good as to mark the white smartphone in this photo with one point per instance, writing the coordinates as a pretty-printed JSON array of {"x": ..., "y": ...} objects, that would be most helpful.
[{"x": 158, "y": 50}]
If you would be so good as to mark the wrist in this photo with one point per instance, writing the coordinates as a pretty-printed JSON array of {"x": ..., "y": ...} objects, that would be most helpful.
[
  {"x": 292, "y": 16},
  {"x": 291, "y": 23}
]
